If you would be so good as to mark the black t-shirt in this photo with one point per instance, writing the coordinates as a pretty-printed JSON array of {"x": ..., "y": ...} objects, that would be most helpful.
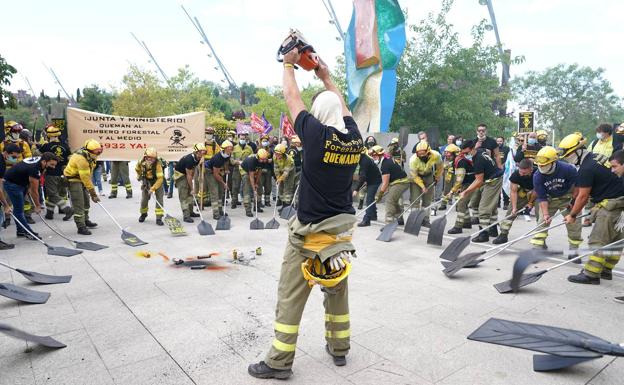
[
  {"x": 389, "y": 166},
  {"x": 484, "y": 164},
  {"x": 187, "y": 162},
  {"x": 525, "y": 182},
  {"x": 2, "y": 167},
  {"x": 604, "y": 183},
  {"x": 59, "y": 149},
  {"x": 218, "y": 161},
  {"x": 21, "y": 172},
  {"x": 251, "y": 163},
  {"x": 466, "y": 165},
  {"x": 369, "y": 173},
  {"x": 329, "y": 161},
  {"x": 487, "y": 144}
]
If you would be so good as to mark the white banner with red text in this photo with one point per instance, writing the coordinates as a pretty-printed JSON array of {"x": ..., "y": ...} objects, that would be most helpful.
[{"x": 126, "y": 138}]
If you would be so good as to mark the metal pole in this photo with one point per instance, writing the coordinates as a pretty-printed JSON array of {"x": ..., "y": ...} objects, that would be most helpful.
[
  {"x": 58, "y": 81},
  {"x": 149, "y": 53},
  {"x": 334, "y": 20}
]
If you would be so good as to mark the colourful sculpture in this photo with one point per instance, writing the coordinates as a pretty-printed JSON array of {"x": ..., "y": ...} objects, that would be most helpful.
[{"x": 374, "y": 44}]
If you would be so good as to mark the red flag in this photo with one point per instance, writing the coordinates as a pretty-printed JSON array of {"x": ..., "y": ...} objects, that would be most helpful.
[
  {"x": 286, "y": 127},
  {"x": 257, "y": 123}
]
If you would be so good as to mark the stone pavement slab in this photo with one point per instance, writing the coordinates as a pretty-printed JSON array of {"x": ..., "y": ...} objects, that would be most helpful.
[{"x": 134, "y": 320}]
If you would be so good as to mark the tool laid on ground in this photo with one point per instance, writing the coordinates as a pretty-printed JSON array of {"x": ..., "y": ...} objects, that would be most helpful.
[
  {"x": 436, "y": 231},
  {"x": 128, "y": 238},
  {"x": 204, "y": 228},
  {"x": 223, "y": 223},
  {"x": 562, "y": 347},
  {"x": 52, "y": 250},
  {"x": 528, "y": 257},
  {"x": 273, "y": 224},
  {"x": 86, "y": 245},
  {"x": 22, "y": 335},
  {"x": 38, "y": 277},
  {"x": 290, "y": 210},
  {"x": 388, "y": 229},
  {"x": 416, "y": 217},
  {"x": 22, "y": 294},
  {"x": 365, "y": 208},
  {"x": 257, "y": 224},
  {"x": 457, "y": 245},
  {"x": 308, "y": 60},
  {"x": 174, "y": 224}
]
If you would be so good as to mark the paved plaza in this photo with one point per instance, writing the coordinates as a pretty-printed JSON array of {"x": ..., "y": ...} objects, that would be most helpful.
[{"x": 127, "y": 319}]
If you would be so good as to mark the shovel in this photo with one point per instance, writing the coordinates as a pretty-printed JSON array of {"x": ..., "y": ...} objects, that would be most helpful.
[
  {"x": 204, "y": 228},
  {"x": 22, "y": 294},
  {"x": 288, "y": 211},
  {"x": 388, "y": 230},
  {"x": 273, "y": 224},
  {"x": 46, "y": 341},
  {"x": 128, "y": 238},
  {"x": 519, "y": 279},
  {"x": 38, "y": 277},
  {"x": 416, "y": 217},
  {"x": 52, "y": 250},
  {"x": 455, "y": 266},
  {"x": 91, "y": 246},
  {"x": 257, "y": 224},
  {"x": 174, "y": 225},
  {"x": 457, "y": 245},
  {"x": 223, "y": 223},
  {"x": 436, "y": 232}
]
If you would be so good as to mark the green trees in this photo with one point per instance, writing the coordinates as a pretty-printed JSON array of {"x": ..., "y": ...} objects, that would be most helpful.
[
  {"x": 569, "y": 98},
  {"x": 6, "y": 73},
  {"x": 95, "y": 99}
]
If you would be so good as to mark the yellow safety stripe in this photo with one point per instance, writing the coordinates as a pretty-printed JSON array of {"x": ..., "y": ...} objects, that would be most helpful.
[
  {"x": 337, "y": 317},
  {"x": 402, "y": 180},
  {"x": 338, "y": 333},
  {"x": 143, "y": 210},
  {"x": 84, "y": 172},
  {"x": 160, "y": 174},
  {"x": 279, "y": 345},
  {"x": 574, "y": 241},
  {"x": 288, "y": 329},
  {"x": 318, "y": 241}
]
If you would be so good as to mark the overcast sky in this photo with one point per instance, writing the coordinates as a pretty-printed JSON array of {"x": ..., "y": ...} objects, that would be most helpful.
[{"x": 89, "y": 42}]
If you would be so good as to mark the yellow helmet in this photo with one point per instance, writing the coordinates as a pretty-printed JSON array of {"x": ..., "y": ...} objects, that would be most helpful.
[
  {"x": 280, "y": 149},
  {"x": 394, "y": 140},
  {"x": 263, "y": 154},
  {"x": 546, "y": 156},
  {"x": 92, "y": 145},
  {"x": 570, "y": 144},
  {"x": 209, "y": 130},
  {"x": 151, "y": 152},
  {"x": 226, "y": 144},
  {"x": 377, "y": 149},
  {"x": 231, "y": 132},
  {"x": 52, "y": 131},
  {"x": 453, "y": 149},
  {"x": 10, "y": 124},
  {"x": 314, "y": 271},
  {"x": 423, "y": 145},
  {"x": 541, "y": 134},
  {"x": 199, "y": 147}
]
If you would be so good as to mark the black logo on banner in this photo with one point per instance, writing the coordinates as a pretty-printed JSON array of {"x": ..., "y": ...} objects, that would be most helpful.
[
  {"x": 526, "y": 121},
  {"x": 177, "y": 135}
]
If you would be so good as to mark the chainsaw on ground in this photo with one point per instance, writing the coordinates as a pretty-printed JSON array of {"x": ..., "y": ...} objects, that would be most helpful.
[{"x": 308, "y": 60}]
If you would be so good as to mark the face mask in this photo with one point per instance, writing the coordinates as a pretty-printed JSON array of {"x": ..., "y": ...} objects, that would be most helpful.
[
  {"x": 458, "y": 143},
  {"x": 230, "y": 138},
  {"x": 209, "y": 137},
  {"x": 265, "y": 143},
  {"x": 468, "y": 156},
  {"x": 242, "y": 142},
  {"x": 573, "y": 158},
  {"x": 481, "y": 135},
  {"x": 547, "y": 170},
  {"x": 501, "y": 145},
  {"x": 532, "y": 141},
  {"x": 225, "y": 155},
  {"x": 600, "y": 135},
  {"x": 424, "y": 158},
  {"x": 12, "y": 159},
  {"x": 299, "y": 148}
]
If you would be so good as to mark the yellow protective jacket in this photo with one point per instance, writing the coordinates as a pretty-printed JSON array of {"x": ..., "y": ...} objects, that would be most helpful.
[
  {"x": 211, "y": 149},
  {"x": 449, "y": 171},
  {"x": 418, "y": 168},
  {"x": 284, "y": 166},
  {"x": 153, "y": 173},
  {"x": 239, "y": 154},
  {"x": 79, "y": 169},
  {"x": 26, "y": 151}
]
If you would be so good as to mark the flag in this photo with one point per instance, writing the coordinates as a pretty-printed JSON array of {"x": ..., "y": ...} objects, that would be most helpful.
[
  {"x": 267, "y": 127},
  {"x": 242, "y": 128},
  {"x": 257, "y": 123},
  {"x": 286, "y": 127},
  {"x": 510, "y": 167}
]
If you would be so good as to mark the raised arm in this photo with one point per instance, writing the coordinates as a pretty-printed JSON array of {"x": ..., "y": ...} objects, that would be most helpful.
[{"x": 291, "y": 89}]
